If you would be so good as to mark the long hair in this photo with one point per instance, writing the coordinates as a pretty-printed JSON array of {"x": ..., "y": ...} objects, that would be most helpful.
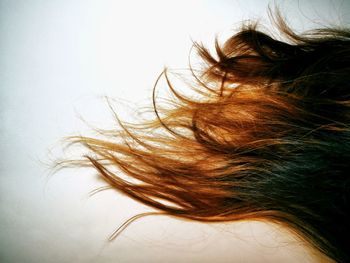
[{"x": 266, "y": 138}]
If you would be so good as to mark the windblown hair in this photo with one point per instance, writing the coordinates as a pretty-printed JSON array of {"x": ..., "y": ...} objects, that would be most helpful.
[{"x": 268, "y": 138}]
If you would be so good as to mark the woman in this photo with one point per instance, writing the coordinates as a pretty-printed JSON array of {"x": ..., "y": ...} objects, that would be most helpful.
[{"x": 266, "y": 138}]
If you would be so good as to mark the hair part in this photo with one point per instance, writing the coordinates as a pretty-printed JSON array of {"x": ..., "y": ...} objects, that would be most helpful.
[{"x": 267, "y": 140}]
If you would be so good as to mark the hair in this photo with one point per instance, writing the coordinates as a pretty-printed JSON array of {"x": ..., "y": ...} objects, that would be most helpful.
[{"x": 266, "y": 138}]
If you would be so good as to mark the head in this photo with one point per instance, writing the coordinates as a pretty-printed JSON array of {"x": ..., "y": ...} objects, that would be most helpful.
[{"x": 267, "y": 138}]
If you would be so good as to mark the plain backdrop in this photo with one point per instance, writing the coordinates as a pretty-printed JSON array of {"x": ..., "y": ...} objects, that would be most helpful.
[{"x": 58, "y": 60}]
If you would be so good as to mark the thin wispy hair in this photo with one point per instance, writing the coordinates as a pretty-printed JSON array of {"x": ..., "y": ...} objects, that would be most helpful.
[{"x": 267, "y": 138}]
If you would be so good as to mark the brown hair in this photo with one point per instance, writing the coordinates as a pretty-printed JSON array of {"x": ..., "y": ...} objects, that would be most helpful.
[{"x": 267, "y": 138}]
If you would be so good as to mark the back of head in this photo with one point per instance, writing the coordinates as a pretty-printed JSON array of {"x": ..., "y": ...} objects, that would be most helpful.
[
  {"x": 287, "y": 122},
  {"x": 269, "y": 139}
]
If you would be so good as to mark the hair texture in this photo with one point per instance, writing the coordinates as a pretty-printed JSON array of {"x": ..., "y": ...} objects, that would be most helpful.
[{"x": 267, "y": 138}]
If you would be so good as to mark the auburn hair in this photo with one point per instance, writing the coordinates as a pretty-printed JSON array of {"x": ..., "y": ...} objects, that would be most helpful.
[{"x": 266, "y": 137}]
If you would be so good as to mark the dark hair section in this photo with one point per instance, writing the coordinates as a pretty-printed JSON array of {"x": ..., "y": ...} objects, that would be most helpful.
[{"x": 267, "y": 138}]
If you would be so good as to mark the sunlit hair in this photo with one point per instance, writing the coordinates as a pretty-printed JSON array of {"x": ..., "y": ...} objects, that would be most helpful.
[{"x": 266, "y": 137}]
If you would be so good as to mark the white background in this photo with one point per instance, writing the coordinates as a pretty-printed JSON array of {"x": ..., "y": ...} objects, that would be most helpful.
[{"x": 57, "y": 60}]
